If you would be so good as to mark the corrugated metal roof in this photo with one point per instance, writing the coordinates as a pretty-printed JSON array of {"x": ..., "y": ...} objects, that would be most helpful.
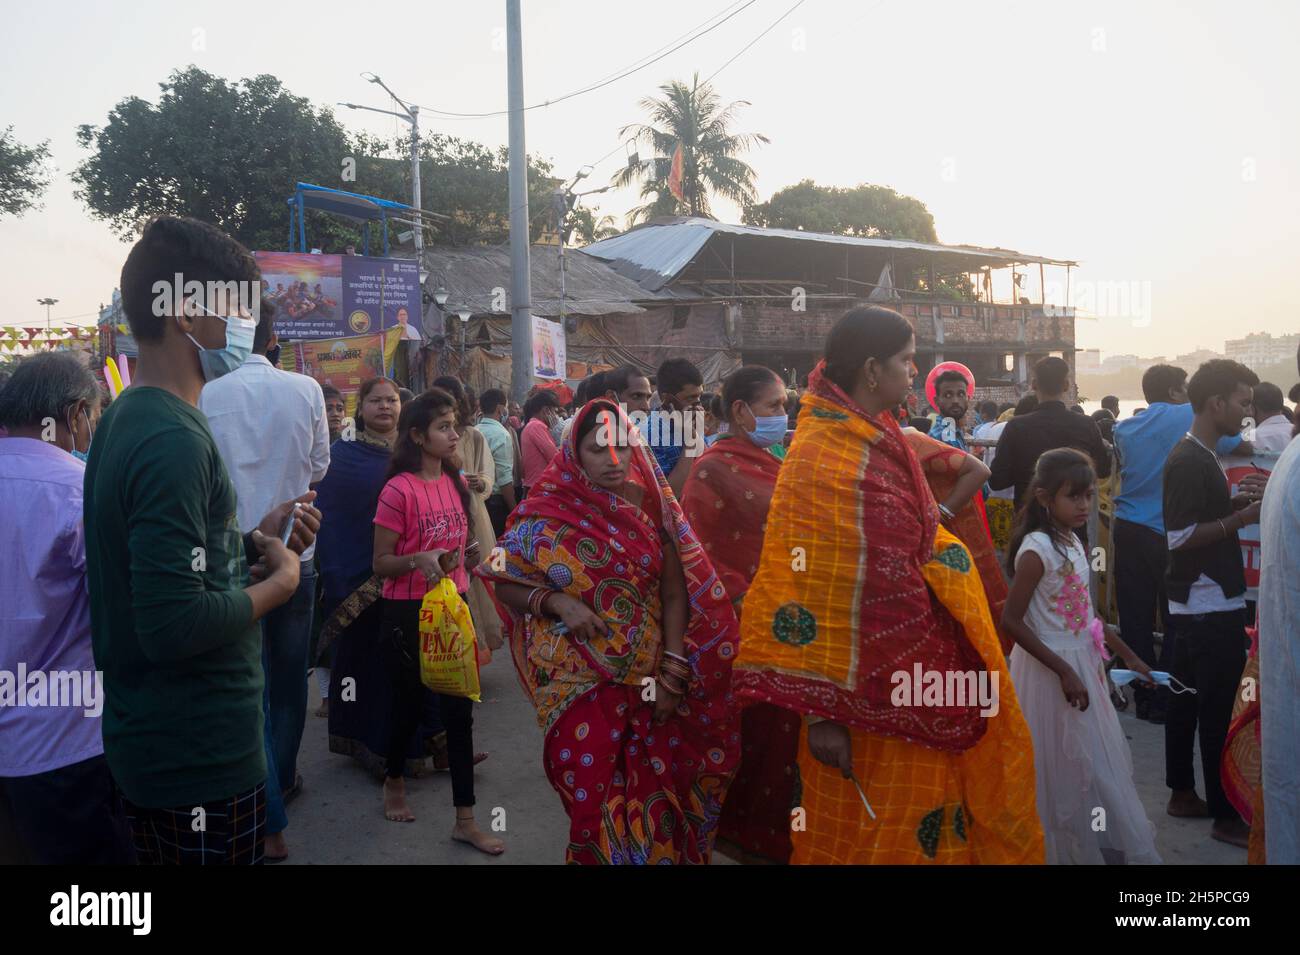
[
  {"x": 474, "y": 273},
  {"x": 656, "y": 253}
]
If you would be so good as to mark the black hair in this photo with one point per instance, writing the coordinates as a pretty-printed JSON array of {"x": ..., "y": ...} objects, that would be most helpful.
[
  {"x": 1159, "y": 380},
  {"x": 46, "y": 385},
  {"x": 590, "y": 419},
  {"x": 950, "y": 375},
  {"x": 406, "y": 394},
  {"x": 330, "y": 392},
  {"x": 1056, "y": 469},
  {"x": 368, "y": 386},
  {"x": 1102, "y": 414},
  {"x": 743, "y": 384},
  {"x": 676, "y": 373},
  {"x": 408, "y": 456},
  {"x": 540, "y": 400},
  {"x": 491, "y": 400},
  {"x": 920, "y": 424},
  {"x": 1268, "y": 398},
  {"x": 620, "y": 378},
  {"x": 597, "y": 385},
  {"x": 868, "y": 331},
  {"x": 1077, "y": 409},
  {"x": 171, "y": 245},
  {"x": 453, "y": 387},
  {"x": 988, "y": 409},
  {"x": 580, "y": 393},
  {"x": 1051, "y": 374},
  {"x": 265, "y": 325},
  {"x": 1026, "y": 405},
  {"x": 1111, "y": 403},
  {"x": 1218, "y": 377}
]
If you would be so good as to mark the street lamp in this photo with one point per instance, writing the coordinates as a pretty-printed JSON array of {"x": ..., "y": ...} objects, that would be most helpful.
[
  {"x": 463, "y": 313},
  {"x": 410, "y": 114},
  {"x": 47, "y": 302}
]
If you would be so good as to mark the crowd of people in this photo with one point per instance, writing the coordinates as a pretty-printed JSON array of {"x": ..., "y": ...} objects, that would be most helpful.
[{"x": 796, "y": 625}]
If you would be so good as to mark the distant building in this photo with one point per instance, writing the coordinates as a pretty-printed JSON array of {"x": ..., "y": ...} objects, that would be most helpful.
[
  {"x": 1261, "y": 349},
  {"x": 1116, "y": 363},
  {"x": 1087, "y": 361}
]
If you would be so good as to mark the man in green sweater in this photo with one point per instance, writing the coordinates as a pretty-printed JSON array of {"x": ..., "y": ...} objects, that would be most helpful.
[{"x": 172, "y": 610}]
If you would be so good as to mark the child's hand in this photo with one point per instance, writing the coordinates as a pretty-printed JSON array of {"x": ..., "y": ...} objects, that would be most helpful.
[
  {"x": 1143, "y": 671},
  {"x": 1076, "y": 694}
]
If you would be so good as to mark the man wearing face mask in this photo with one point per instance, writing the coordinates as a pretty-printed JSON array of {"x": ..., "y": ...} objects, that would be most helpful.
[
  {"x": 54, "y": 780},
  {"x": 271, "y": 429},
  {"x": 173, "y": 613}
]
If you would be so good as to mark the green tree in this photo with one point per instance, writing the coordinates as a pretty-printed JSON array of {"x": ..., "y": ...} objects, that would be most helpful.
[
  {"x": 24, "y": 176},
  {"x": 464, "y": 183},
  {"x": 865, "y": 210},
  {"x": 588, "y": 228},
  {"x": 693, "y": 117},
  {"x": 227, "y": 153}
]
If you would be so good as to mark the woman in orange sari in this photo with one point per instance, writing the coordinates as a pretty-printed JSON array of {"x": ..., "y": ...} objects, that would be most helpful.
[
  {"x": 726, "y": 499},
  {"x": 623, "y": 640},
  {"x": 863, "y": 607},
  {"x": 955, "y": 479}
]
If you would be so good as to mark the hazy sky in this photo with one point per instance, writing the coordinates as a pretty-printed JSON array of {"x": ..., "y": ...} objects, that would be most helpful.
[{"x": 1154, "y": 142}]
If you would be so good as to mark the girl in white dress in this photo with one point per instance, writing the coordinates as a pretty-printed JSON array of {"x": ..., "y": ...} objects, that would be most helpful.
[{"x": 1087, "y": 803}]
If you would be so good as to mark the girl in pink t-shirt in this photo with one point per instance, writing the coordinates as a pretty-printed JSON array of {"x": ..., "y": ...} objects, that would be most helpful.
[{"x": 421, "y": 532}]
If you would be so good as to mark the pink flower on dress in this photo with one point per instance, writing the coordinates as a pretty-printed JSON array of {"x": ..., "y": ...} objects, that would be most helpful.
[{"x": 1072, "y": 602}]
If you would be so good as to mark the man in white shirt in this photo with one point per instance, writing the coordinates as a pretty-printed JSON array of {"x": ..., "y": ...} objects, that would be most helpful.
[
  {"x": 271, "y": 430},
  {"x": 1272, "y": 427}
]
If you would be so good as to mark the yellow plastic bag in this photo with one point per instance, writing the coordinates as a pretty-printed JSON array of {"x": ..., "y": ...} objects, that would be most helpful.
[{"x": 448, "y": 661}]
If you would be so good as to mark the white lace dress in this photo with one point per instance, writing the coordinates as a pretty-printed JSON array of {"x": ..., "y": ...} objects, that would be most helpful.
[{"x": 1087, "y": 802}]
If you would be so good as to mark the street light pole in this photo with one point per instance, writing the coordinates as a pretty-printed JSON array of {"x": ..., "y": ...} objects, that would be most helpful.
[
  {"x": 521, "y": 322},
  {"x": 410, "y": 114},
  {"x": 47, "y": 302}
]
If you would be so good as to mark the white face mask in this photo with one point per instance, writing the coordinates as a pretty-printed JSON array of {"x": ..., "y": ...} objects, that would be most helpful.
[{"x": 1122, "y": 677}]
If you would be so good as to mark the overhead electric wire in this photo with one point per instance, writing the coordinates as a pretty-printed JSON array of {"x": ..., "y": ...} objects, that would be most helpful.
[
  {"x": 608, "y": 80},
  {"x": 755, "y": 40}
]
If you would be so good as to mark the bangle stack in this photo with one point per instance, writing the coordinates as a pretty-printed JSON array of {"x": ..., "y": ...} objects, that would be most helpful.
[
  {"x": 675, "y": 673},
  {"x": 946, "y": 512},
  {"x": 537, "y": 600}
]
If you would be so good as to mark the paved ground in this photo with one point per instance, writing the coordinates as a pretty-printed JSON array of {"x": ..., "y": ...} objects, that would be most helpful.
[{"x": 339, "y": 816}]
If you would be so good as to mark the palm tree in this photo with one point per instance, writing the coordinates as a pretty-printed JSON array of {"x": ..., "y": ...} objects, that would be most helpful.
[
  {"x": 588, "y": 228},
  {"x": 694, "y": 117}
]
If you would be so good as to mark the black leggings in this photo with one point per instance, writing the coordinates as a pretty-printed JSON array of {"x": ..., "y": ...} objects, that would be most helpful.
[{"x": 400, "y": 642}]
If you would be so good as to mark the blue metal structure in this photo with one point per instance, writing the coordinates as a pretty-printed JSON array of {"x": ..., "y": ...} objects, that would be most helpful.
[{"x": 349, "y": 205}]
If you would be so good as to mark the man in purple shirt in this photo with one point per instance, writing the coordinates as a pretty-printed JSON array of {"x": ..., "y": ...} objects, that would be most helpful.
[{"x": 53, "y": 775}]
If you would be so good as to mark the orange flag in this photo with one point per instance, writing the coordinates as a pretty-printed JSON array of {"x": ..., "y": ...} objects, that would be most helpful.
[{"x": 675, "y": 175}]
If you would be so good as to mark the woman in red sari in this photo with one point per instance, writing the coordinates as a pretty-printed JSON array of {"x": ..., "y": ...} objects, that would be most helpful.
[
  {"x": 623, "y": 639},
  {"x": 726, "y": 499}
]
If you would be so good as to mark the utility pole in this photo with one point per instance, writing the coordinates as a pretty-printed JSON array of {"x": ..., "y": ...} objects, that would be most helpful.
[
  {"x": 47, "y": 302},
  {"x": 521, "y": 322},
  {"x": 410, "y": 114}
]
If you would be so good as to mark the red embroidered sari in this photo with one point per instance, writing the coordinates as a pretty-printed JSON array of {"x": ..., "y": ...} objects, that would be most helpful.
[
  {"x": 726, "y": 499},
  {"x": 635, "y": 793}
]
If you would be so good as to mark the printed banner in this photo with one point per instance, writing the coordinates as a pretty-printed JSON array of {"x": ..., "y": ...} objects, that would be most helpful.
[
  {"x": 1235, "y": 468},
  {"x": 549, "y": 354},
  {"x": 324, "y": 297},
  {"x": 345, "y": 363}
]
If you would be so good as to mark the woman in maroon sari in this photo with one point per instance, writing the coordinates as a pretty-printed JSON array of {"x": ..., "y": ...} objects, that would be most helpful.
[
  {"x": 623, "y": 639},
  {"x": 726, "y": 499}
]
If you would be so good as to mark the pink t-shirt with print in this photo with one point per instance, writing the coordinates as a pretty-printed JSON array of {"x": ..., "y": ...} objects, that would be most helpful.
[{"x": 425, "y": 515}]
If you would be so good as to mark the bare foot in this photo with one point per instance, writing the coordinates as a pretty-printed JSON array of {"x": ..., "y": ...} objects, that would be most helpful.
[
  {"x": 1234, "y": 832},
  {"x": 1185, "y": 804},
  {"x": 275, "y": 849},
  {"x": 467, "y": 831},
  {"x": 395, "y": 807},
  {"x": 324, "y": 708}
]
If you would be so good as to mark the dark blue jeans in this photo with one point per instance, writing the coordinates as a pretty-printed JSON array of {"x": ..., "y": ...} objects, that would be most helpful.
[{"x": 286, "y": 642}]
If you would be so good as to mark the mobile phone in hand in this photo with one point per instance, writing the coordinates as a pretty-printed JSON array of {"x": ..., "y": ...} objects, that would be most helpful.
[{"x": 288, "y": 525}]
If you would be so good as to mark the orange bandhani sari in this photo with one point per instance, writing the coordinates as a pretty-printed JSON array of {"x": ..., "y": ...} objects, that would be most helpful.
[
  {"x": 1240, "y": 768},
  {"x": 941, "y": 462},
  {"x": 726, "y": 499},
  {"x": 858, "y": 583}
]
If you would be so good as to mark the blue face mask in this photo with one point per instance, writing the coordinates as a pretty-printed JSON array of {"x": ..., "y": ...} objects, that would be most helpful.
[
  {"x": 1122, "y": 677},
  {"x": 239, "y": 345},
  {"x": 81, "y": 456},
  {"x": 768, "y": 429}
]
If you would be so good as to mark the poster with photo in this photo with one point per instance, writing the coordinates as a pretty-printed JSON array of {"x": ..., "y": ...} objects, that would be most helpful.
[
  {"x": 324, "y": 297},
  {"x": 549, "y": 354}
]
